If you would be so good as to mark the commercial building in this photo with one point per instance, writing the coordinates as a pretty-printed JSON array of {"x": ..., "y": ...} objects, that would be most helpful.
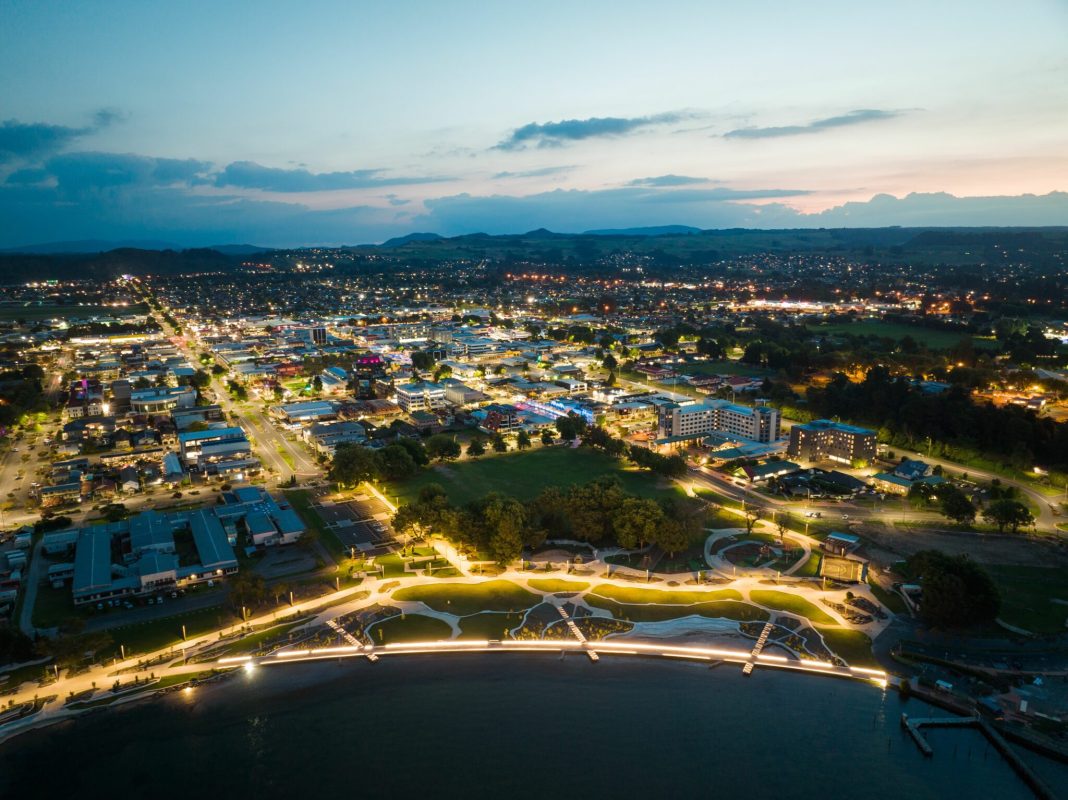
[
  {"x": 217, "y": 450},
  {"x": 161, "y": 399},
  {"x": 422, "y": 396},
  {"x": 836, "y": 441},
  {"x": 677, "y": 423}
]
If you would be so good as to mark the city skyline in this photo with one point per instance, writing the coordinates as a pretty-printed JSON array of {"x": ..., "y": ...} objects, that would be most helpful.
[{"x": 341, "y": 124}]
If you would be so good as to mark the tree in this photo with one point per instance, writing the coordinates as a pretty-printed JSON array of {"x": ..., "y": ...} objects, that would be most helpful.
[
  {"x": 247, "y": 589},
  {"x": 317, "y": 384},
  {"x": 422, "y": 360},
  {"x": 780, "y": 519},
  {"x": 353, "y": 464},
  {"x": 671, "y": 536},
  {"x": 955, "y": 504},
  {"x": 395, "y": 463},
  {"x": 415, "y": 450},
  {"x": 753, "y": 514},
  {"x": 200, "y": 379},
  {"x": 637, "y": 522},
  {"x": 505, "y": 518},
  {"x": 522, "y": 440},
  {"x": 956, "y": 591},
  {"x": 547, "y": 437},
  {"x": 498, "y": 443},
  {"x": 476, "y": 448},
  {"x": 442, "y": 447},
  {"x": 1008, "y": 513}
]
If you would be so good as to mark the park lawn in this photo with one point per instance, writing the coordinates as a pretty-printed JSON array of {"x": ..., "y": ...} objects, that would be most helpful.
[
  {"x": 157, "y": 634},
  {"x": 555, "y": 585},
  {"x": 811, "y": 567},
  {"x": 931, "y": 338},
  {"x": 652, "y": 612},
  {"x": 51, "y": 607},
  {"x": 728, "y": 367},
  {"x": 1027, "y": 595},
  {"x": 489, "y": 625},
  {"x": 409, "y": 628},
  {"x": 524, "y": 475},
  {"x": 782, "y": 601},
  {"x": 393, "y": 566},
  {"x": 891, "y": 600},
  {"x": 853, "y": 647},
  {"x": 464, "y": 599},
  {"x": 254, "y": 641},
  {"x": 627, "y": 594},
  {"x": 301, "y": 501}
]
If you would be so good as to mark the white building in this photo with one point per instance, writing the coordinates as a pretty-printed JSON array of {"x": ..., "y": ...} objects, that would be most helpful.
[
  {"x": 755, "y": 424},
  {"x": 422, "y": 396}
]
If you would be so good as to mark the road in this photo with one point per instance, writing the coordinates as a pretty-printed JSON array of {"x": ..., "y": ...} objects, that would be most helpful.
[{"x": 272, "y": 448}]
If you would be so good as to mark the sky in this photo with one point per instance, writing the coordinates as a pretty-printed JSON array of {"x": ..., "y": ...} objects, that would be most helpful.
[{"x": 344, "y": 122}]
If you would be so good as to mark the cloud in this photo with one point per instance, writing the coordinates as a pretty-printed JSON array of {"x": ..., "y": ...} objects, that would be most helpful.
[
  {"x": 535, "y": 173},
  {"x": 856, "y": 117},
  {"x": 669, "y": 180},
  {"x": 250, "y": 175},
  {"x": 80, "y": 172},
  {"x": 27, "y": 140},
  {"x": 555, "y": 134}
]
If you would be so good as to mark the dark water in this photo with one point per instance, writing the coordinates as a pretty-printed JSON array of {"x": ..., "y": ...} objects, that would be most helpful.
[{"x": 515, "y": 727}]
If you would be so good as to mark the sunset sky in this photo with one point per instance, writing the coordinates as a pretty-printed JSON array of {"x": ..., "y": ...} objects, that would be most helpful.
[{"x": 347, "y": 122}]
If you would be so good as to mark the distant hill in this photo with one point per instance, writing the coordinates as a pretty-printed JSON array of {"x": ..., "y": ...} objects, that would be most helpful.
[
  {"x": 19, "y": 267},
  {"x": 105, "y": 246},
  {"x": 92, "y": 246},
  {"x": 397, "y": 241},
  {"x": 654, "y": 230}
]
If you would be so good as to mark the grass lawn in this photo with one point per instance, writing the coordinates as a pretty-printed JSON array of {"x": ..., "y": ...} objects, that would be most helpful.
[
  {"x": 557, "y": 585},
  {"x": 1027, "y": 594},
  {"x": 725, "y": 609},
  {"x": 627, "y": 594},
  {"x": 723, "y": 368},
  {"x": 301, "y": 501},
  {"x": 781, "y": 601},
  {"x": 811, "y": 567},
  {"x": 852, "y": 646},
  {"x": 489, "y": 625},
  {"x": 891, "y": 600},
  {"x": 409, "y": 628},
  {"x": 286, "y": 457},
  {"x": 254, "y": 641},
  {"x": 464, "y": 599},
  {"x": 523, "y": 475},
  {"x": 933, "y": 339},
  {"x": 52, "y": 606},
  {"x": 159, "y": 633}
]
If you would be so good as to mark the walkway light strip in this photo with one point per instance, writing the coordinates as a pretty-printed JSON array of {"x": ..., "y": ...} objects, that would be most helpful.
[{"x": 879, "y": 677}]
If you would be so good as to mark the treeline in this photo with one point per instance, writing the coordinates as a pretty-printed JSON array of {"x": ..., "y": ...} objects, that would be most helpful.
[
  {"x": 21, "y": 393},
  {"x": 593, "y": 436},
  {"x": 599, "y": 512},
  {"x": 948, "y": 423}
]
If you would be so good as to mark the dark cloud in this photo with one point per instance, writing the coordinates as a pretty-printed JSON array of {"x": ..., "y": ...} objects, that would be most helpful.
[
  {"x": 80, "y": 172},
  {"x": 554, "y": 134},
  {"x": 28, "y": 140},
  {"x": 669, "y": 180},
  {"x": 535, "y": 173},
  {"x": 250, "y": 175},
  {"x": 856, "y": 117}
]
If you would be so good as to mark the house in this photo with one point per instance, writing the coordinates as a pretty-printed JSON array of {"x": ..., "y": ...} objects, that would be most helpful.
[
  {"x": 841, "y": 543},
  {"x": 129, "y": 480},
  {"x": 758, "y": 473},
  {"x": 912, "y": 470}
]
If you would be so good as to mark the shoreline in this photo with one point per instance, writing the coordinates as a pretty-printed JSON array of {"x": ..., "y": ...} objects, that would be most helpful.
[{"x": 620, "y": 650}]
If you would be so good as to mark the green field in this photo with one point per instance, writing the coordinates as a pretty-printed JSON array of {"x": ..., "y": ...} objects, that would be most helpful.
[
  {"x": 783, "y": 601},
  {"x": 651, "y": 612},
  {"x": 931, "y": 338},
  {"x": 523, "y": 475},
  {"x": 723, "y": 368},
  {"x": 465, "y": 599},
  {"x": 853, "y": 647},
  {"x": 489, "y": 625},
  {"x": 34, "y": 312},
  {"x": 626, "y": 594},
  {"x": 557, "y": 585},
  {"x": 1027, "y": 595},
  {"x": 409, "y": 628},
  {"x": 157, "y": 634}
]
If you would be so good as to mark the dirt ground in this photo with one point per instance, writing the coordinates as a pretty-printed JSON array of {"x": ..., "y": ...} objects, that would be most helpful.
[{"x": 887, "y": 543}]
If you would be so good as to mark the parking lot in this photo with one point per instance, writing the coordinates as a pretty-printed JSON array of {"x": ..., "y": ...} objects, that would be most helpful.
[{"x": 361, "y": 522}]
